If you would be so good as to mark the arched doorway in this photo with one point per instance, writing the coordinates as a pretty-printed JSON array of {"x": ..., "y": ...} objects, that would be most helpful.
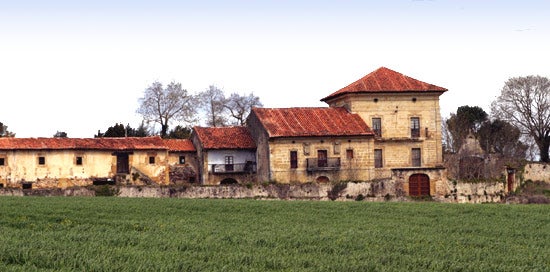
[
  {"x": 322, "y": 179},
  {"x": 228, "y": 181},
  {"x": 419, "y": 185}
]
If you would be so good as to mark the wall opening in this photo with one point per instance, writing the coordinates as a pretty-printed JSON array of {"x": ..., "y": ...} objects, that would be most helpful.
[
  {"x": 228, "y": 181},
  {"x": 322, "y": 179}
]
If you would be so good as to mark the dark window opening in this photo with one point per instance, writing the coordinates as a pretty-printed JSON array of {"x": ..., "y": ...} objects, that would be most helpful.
[
  {"x": 78, "y": 161},
  {"x": 182, "y": 159},
  {"x": 151, "y": 159},
  {"x": 2, "y": 161},
  {"x": 378, "y": 163},
  {"x": 26, "y": 185},
  {"x": 415, "y": 127},
  {"x": 416, "y": 157},
  {"x": 377, "y": 126},
  {"x": 228, "y": 181},
  {"x": 322, "y": 158},
  {"x": 229, "y": 163},
  {"x": 293, "y": 159},
  {"x": 41, "y": 160},
  {"x": 349, "y": 154}
]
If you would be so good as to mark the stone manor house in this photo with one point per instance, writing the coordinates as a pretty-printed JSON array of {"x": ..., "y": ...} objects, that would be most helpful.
[{"x": 384, "y": 126}]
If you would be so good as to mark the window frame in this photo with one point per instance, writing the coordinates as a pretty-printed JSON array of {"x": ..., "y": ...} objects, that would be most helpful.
[
  {"x": 377, "y": 126},
  {"x": 152, "y": 159},
  {"x": 415, "y": 127},
  {"x": 378, "y": 160},
  {"x": 79, "y": 160},
  {"x": 416, "y": 157},
  {"x": 350, "y": 154},
  {"x": 181, "y": 159},
  {"x": 293, "y": 159},
  {"x": 41, "y": 160}
]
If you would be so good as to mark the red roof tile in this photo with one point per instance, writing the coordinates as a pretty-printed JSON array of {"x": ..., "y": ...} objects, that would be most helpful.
[
  {"x": 297, "y": 122},
  {"x": 225, "y": 137},
  {"x": 184, "y": 145},
  {"x": 130, "y": 143},
  {"x": 386, "y": 80}
]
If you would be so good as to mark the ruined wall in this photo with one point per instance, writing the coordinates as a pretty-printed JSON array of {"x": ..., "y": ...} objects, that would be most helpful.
[
  {"x": 358, "y": 168},
  {"x": 537, "y": 172}
]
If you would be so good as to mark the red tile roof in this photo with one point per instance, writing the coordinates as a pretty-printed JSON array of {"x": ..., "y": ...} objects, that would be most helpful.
[
  {"x": 130, "y": 143},
  {"x": 225, "y": 137},
  {"x": 298, "y": 122},
  {"x": 386, "y": 80},
  {"x": 184, "y": 145}
]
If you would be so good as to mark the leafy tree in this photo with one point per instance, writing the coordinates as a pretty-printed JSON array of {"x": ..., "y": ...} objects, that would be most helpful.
[
  {"x": 501, "y": 137},
  {"x": 179, "y": 132},
  {"x": 212, "y": 101},
  {"x": 165, "y": 105},
  {"x": 524, "y": 103},
  {"x": 60, "y": 134},
  {"x": 119, "y": 130},
  {"x": 466, "y": 120},
  {"x": 239, "y": 106},
  {"x": 4, "y": 132}
]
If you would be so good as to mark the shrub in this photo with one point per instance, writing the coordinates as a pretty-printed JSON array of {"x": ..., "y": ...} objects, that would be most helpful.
[{"x": 337, "y": 188}]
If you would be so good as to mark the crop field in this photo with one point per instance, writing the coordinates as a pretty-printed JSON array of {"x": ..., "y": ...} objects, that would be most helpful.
[{"x": 131, "y": 234}]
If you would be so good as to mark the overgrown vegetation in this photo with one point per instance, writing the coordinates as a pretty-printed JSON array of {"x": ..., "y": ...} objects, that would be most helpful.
[{"x": 128, "y": 234}]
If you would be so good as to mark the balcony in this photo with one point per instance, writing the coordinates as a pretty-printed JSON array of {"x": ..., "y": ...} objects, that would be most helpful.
[
  {"x": 235, "y": 168},
  {"x": 329, "y": 164}
]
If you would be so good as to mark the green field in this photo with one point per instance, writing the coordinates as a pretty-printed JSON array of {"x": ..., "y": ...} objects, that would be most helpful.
[{"x": 121, "y": 234}]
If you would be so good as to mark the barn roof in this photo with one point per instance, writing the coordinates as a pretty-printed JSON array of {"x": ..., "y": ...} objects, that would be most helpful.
[
  {"x": 114, "y": 144},
  {"x": 236, "y": 137},
  {"x": 184, "y": 145},
  {"x": 386, "y": 80},
  {"x": 300, "y": 122}
]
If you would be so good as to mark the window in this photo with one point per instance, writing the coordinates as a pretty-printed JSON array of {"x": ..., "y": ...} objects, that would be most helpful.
[
  {"x": 415, "y": 127},
  {"x": 416, "y": 157},
  {"x": 377, "y": 126},
  {"x": 2, "y": 161},
  {"x": 349, "y": 154},
  {"x": 41, "y": 160},
  {"x": 182, "y": 159},
  {"x": 378, "y": 162},
  {"x": 78, "y": 160},
  {"x": 293, "y": 159},
  {"x": 151, "y": 159},
  {"x": 228, "y": 163},
  {"x": 322, "y": 158}
]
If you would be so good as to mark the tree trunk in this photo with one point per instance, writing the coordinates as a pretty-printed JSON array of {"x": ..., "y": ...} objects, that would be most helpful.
[
  {"x": 543, "y": 150},
  {"x": 163, "y": 130}
]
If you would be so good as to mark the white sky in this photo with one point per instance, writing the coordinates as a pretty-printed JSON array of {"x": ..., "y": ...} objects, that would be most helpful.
[{"x": 80, "y": 66}]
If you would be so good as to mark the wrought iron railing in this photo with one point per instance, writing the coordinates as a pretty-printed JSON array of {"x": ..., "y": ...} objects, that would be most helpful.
[
  {"x": 316, "y": 164},
  {"x": 236, "y": 168}
]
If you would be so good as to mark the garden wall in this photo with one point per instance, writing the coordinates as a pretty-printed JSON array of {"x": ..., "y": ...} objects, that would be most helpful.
[{"x": 537, "y": 172}]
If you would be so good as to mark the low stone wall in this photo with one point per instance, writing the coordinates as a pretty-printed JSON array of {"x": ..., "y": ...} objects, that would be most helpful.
[
  {"x": 384, "y": 190},
  {"x": 537, "y": 172}
]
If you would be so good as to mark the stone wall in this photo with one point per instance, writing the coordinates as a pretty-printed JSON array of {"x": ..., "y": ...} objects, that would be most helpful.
[{"x": 537, "y": 172}]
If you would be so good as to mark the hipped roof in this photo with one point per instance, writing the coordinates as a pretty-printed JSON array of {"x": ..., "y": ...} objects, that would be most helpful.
[
  {"x": 113, "y": 144},
  {"x": 386, "y": 80},
  {"x": 236, "y": 137}
]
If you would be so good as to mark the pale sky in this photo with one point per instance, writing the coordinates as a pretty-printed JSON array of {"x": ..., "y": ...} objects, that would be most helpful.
[{"x": 80, "y": 66}]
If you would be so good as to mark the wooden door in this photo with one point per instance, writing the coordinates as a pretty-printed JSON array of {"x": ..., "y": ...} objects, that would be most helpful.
[
  {"x": 122, "y": 163},
  {"x": 419, "y": 185}
]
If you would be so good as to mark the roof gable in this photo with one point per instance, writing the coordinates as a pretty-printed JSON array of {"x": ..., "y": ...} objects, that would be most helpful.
[
  {"x": 386, "y": 80},
  {"x": 224, "y": 137},
  {"x": 113, "y": 144},
  {"x": 183, "y": 145},
  {"x": 311, "y": 122}
]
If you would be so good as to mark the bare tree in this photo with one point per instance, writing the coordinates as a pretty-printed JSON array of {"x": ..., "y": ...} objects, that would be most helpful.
[
  {"x": 524, "y": 102},
  {"x": 165, "y": 105},
  {"x": 239, "y": 106},
  {"x": 212, "y": 101}
]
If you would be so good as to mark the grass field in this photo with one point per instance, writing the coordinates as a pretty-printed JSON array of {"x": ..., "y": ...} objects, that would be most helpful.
[{"x": 130, "y": 234}]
